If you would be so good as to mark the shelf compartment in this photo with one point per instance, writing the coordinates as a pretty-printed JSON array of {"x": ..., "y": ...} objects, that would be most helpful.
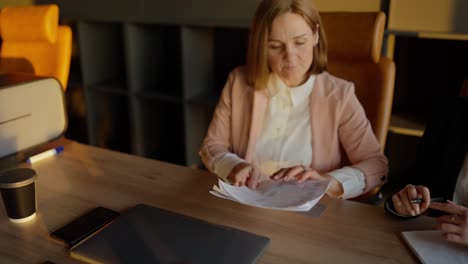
[
  {"x": 154, "y": 59},
  {"x": 423, "y": 81},
  {"x": 197, "y": 121},
  {"x": 206, "y": 99},
  {"x": 159, "y": 96},
  {"x": 102, "y": 52},
  {"x": 209, "y": 55},
  {"x": 116, "y": 87},
  {"x": 110, "y": 121},
  {"x": 161, "y": 133},
  {"x": 230, "y": 50},
  {"x": 407, "y": 124},
  {"x": 197, "y": 60}
]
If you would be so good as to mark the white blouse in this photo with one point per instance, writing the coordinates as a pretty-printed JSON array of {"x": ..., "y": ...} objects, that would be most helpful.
[{"x": 286, "y": 138}]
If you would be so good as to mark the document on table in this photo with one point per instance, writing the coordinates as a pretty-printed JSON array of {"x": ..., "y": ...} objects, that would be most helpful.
[
  {"x": 430, "y": 247},
  {"x": 275, "y": 195}
]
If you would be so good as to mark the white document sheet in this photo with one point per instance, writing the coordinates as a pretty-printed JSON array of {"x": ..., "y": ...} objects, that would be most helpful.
[{"x": 275, "y": 195}]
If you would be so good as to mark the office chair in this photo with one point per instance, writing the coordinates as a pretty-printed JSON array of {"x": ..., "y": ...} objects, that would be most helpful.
[
  {"x": 354, "y": 46},
  {"x": 354, "y": 54},
  {"x": 33, "y": 42}
]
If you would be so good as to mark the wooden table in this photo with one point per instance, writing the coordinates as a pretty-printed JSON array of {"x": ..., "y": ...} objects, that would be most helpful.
[{"x": 83, "y": 177}]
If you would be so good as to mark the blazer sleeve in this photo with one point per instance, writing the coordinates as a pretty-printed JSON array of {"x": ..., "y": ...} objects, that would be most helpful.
[
  {"x": 359, "y": 142},
  {"x": 217, "y": 141}
]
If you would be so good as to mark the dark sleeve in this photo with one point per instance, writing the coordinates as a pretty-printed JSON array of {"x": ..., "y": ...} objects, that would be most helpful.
[{"x": 443, "y": 148}]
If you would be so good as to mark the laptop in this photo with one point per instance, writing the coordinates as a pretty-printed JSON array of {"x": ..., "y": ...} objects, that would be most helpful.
[{"x": 146, "y": 234}]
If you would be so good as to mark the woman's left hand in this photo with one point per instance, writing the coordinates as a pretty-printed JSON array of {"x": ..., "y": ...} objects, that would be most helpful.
[
  {"x": 454, "y": 225},
  {"x": 297, "y": 174}
]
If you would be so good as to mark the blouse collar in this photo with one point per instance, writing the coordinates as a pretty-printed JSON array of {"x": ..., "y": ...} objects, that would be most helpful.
[{"x": 295, "y": 94}]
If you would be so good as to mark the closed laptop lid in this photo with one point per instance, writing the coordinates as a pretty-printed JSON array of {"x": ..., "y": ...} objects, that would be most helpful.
[{"x": 145, "y": 234}]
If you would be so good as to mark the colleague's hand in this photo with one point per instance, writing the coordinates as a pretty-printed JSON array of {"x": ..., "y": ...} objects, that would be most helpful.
[
  {"x": 300, "y": 174},
  {"x": 455, "y": 225},
  {"x": 244, "y": 174},
  {"x": 402, "y": 200}
]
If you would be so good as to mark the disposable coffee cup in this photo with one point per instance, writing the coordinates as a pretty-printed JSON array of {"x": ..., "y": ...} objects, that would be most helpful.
[{"x": 18, "y": 188}]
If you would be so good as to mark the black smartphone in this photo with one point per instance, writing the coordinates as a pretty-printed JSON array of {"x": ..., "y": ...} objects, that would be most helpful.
[{"x": 84, "y": 226}]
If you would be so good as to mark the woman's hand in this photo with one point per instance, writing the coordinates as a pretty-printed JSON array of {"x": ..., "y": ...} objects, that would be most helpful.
[
  {"x": 300, "y": 174},
  {"x": 297, "y": 174},
  {"x": 402, "y": 200},
  {"x": 244, "y": 174},
  {"x": 454, "y": 225}
]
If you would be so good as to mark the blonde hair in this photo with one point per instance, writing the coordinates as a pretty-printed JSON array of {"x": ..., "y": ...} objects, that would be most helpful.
[{"x": 257, "y": 65}]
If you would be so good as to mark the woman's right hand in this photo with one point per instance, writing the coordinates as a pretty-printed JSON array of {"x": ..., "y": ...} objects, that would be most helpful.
[
  {"x": 244, "y": 174},
  {"x": 402, "y": 200}
]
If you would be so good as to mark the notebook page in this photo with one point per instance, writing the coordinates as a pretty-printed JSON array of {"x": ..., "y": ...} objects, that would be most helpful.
[{"x": 431, "y": 248}]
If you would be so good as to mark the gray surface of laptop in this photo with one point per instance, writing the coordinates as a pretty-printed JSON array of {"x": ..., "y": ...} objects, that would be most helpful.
[{"x": 146, "y": 234}]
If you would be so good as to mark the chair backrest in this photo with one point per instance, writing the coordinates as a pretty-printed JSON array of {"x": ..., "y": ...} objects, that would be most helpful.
[
  {"x": 33, "y": 42},
  {"x": 354, "y": 54}
]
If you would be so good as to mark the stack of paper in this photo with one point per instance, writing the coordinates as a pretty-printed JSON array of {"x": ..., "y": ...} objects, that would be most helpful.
[{"x": 275, "y": 195}]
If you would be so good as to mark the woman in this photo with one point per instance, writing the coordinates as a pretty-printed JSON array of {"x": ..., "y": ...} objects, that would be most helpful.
[
  {"x": 441, "y": 172},
  {"x": 283, "y": 116}
]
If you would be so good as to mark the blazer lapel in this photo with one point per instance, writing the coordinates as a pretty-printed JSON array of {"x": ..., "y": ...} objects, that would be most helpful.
[{"x": 320, "y": 124}]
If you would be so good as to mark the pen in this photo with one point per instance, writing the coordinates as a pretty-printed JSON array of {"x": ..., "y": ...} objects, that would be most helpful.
[
  {"x": 45, "y": 154},
  {"x": 417, "y": 200},
  {"x": 421, "y": 200}
]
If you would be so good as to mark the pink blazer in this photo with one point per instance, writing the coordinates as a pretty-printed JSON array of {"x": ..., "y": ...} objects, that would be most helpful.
[{"x": 341, "y": 133}]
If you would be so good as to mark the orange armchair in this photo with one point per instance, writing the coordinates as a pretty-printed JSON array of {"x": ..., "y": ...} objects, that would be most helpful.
[
  {"x": 33, "y": 42},
  {"x": 354, "y": 47}
]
